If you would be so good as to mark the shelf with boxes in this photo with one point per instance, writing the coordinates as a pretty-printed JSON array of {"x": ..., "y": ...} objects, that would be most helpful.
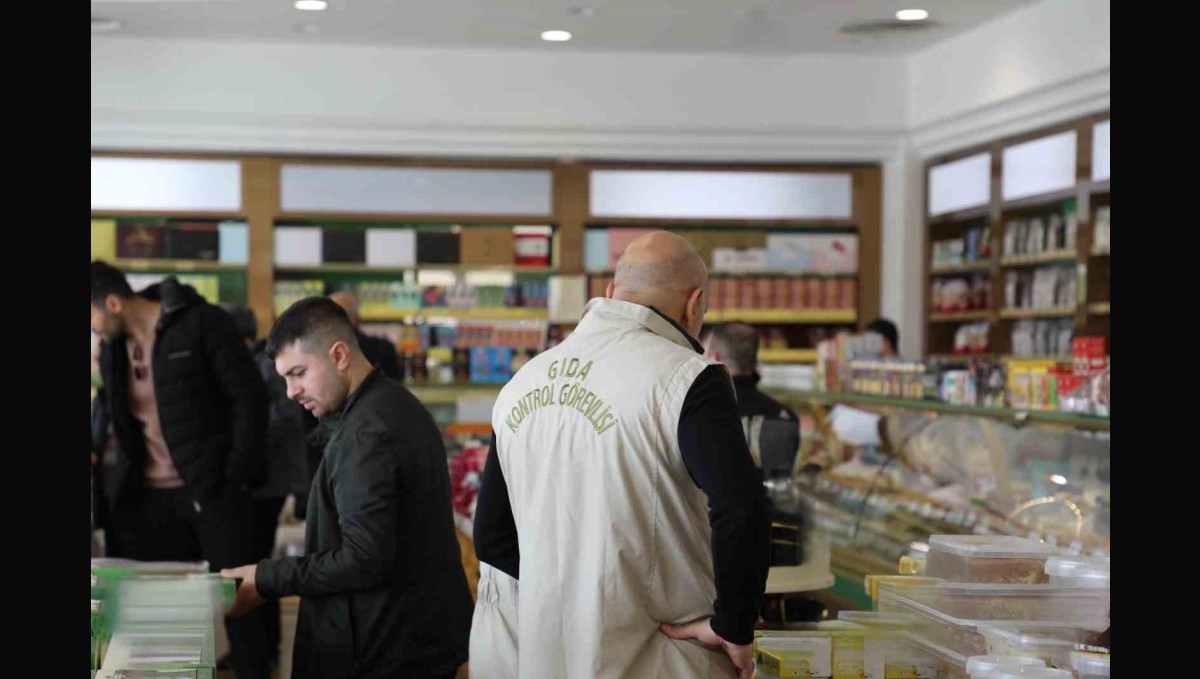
[
  {"x": 781, "y": 275},
  {"x": 1049, "y": 262},
  {"x": 210, "y": 255},
  {"x": 407, "y": 270}
]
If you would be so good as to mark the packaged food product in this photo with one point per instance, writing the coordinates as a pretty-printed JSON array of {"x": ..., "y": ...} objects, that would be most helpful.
[
  {"x": 843, "y": 641},
  {"x": 795, "y": 657},
  {"x": 984, "y": 666},
  {"x": 988, "y": 558},
  {"x": 1078, "y": 571},
  {"x": 1089, "y": 665}
]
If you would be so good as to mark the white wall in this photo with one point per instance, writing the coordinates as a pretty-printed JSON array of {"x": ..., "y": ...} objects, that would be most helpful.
[
  {"x": 416, "y": 100},
  {"x": 1037, "y": 66}
]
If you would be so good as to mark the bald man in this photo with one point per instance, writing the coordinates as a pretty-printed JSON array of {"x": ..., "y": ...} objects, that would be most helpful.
[
  {"x": 378, "y": 350},
  {"x": 621, "y": 521}
]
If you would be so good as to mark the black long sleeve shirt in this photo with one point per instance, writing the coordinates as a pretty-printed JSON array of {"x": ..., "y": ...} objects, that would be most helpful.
[{"x": 716, "y": 456}]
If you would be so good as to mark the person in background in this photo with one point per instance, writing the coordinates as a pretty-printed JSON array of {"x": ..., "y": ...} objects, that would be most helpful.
[
  {"x": 382, "y": 588},
  {"x": 189, "y": 413},
  {"x": 891, "y": 337},
  {"x": 287, "y": 448},
  {"x": 773, "y": 433},
  {"x": 619, "y": 504},
  {"x": 378, "y": 350}
]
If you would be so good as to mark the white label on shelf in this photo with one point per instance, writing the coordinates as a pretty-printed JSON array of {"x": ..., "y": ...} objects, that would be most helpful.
[
  {"x": 1039, "y": 166},
  {"x": 1100, "y": 150},
  {"x": 684, "y": 194},
  {"x": 961, "y": 184},
  {"x": 415, "y": 190},
  {"x": 298, "y": 245},
  {"x": 166, "y": 184}
]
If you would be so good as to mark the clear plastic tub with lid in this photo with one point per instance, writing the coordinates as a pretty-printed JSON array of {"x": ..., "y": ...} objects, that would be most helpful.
[
  {"x": 1011, "y": 642},
  {"x": 985, "y": 666},
  {"x": 1030, "y": 673},
  {"x": 988, "y": 558},
  {"x": 1089, "y": 665},
  {"x": 1078, "y": 571},
  {"x": 950, "y": 665},
  {"x": 1012, "y": 605}
]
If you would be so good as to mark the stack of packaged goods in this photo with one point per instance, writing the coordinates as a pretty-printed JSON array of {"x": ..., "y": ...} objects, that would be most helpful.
[
  {"x": 156, "y": 618},
  {"x": 1004, "y": 596}
]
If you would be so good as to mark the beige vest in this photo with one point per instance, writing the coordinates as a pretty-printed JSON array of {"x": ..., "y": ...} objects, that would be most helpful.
[{"x": 613, "y": 532}]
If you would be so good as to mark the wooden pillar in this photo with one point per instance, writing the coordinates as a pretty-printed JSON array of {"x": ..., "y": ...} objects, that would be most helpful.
[
  {"x": 260, "y": 203},
  {"x": 571, "y": 205}
]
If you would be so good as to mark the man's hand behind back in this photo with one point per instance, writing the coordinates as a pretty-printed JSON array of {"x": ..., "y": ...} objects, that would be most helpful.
[{"x": 701, "y": 631}]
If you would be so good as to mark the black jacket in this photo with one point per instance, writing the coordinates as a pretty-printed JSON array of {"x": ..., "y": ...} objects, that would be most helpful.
[
  {"x": 287, "y": 471},
  {"x": 211, "y": 401},
  {"x": 381, "y": 352},
  {"x": 752, "y": 402},
  {"x": 383, "y": 592}
]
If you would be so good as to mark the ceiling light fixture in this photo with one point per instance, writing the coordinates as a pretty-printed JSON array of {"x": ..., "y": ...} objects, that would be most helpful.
[
  {"x": 912, "y": 15},
  {"x": 556, "y": 36},
  {"x": 1059, "y": 479},
  {"x": 311, "y": 5},
  {"x": 104, "y": 25}
]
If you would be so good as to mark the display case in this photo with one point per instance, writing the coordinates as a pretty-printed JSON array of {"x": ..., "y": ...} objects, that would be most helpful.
[{"x": 947, "y": 470}]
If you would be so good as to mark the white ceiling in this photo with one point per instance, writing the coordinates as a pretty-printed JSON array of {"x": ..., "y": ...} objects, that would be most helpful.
[{"x": 731, "y": 26}]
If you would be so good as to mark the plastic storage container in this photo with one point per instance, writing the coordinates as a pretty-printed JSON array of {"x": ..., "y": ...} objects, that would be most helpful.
[
  {"x": 985, "y": 666},
  {"x": 988, "y": 558},
  {"x": 1089, "y": 665},
  {"x": 950, "y": 665},
  {"x": 1011, "y": 642},
  {"x": 1030, "y": 673},
  {"x": 1077, "y": 571},
  {"x": 1011, "y": 606}
]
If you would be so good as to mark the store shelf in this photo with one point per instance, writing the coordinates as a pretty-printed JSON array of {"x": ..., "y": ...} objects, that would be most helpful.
[
  {"x": 782, "y": 315},
  {"x": 1099, "y": 187},
  {"x": 1099, "y": 254},
  {"x": 1044, "y": 416},
  {"x": 1041, "y": 200},
  {"x": 364, "y": 268},
  {"x": 1038, "y": 313},
  {"x": 473, "y": 313},
  {"x": 175, "y": 265},
  {"x": 980, "y": 315},
  {"x": 449, "y": 394},
  {"x": 962, "y": 215},
  {"x": 748, "y": 274},
  {"x": 970, "y": 267},
  {"x": 787, "y": 356},
  {"x": 1039, "y": 258},
  {"x": 1098, "y": 309}
]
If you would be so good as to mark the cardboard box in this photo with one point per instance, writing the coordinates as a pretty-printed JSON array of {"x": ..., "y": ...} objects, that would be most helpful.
[{"x": 487, "y": 245}]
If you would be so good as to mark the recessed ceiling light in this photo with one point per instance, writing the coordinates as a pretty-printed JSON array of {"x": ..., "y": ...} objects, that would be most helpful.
[
  {"x": 311, "y": 5},
  {"x": 556, "y": 36},
  {"x": 1059, "y": 479},
  {"x": 104, "y": 25},
  {"x": 912, "y": 15}
]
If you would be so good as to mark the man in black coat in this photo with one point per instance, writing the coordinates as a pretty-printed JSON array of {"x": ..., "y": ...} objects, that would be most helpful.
[
  {"x": 189, "y": 412},
  {"x": 382, "y": 588},
  {"x": 379, "y": 351}
]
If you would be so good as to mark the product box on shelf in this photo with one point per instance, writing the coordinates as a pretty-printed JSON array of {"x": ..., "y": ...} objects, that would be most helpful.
[
  {"x": 234, "y": 245},
  {"x": 437, "y": 247},
  {"x": 104, "y": 239},
  {"x": 532, "y": 245},
  {"x": 735, "y": 259},
  {"x": 344, "y": 246},
  {"x": 391, "y": 247},
  {"x": 140, "y": 241},
  {"x": 595, "y": 250},
  {"x": 489, "y": 245},
  {"x": 192, "y": 240}
]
